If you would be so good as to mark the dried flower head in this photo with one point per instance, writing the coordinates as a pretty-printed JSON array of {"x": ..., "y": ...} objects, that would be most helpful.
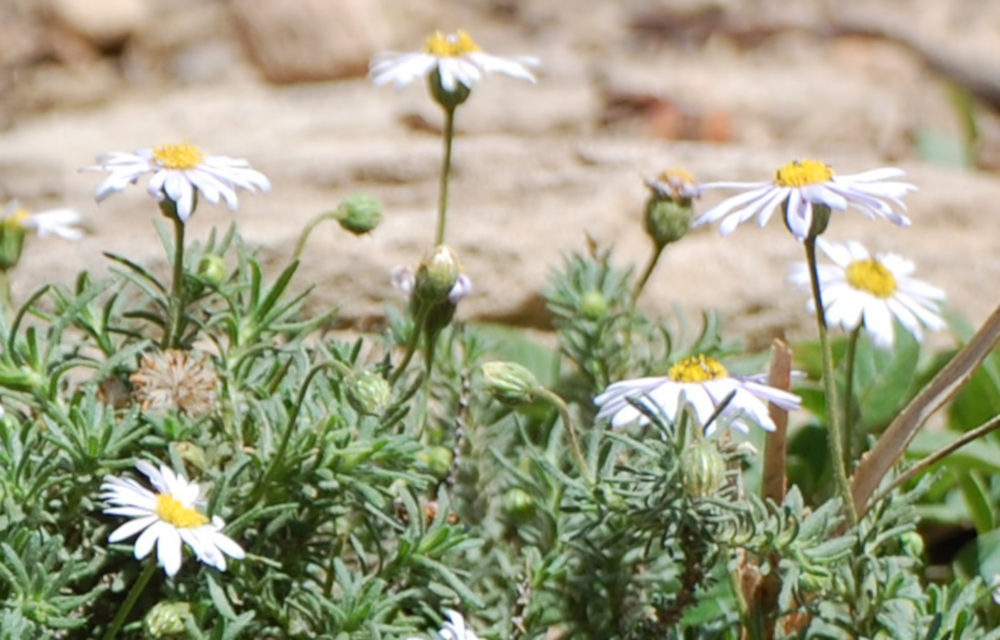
[{"x": 175, "y": 379}]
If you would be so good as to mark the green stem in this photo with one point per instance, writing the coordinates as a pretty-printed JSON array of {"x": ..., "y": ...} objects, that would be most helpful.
[
  {"x": 133, "y": 595},
  {"x": 315, "y": 222},
  {"x": 834, "y": 428},
  {"x": 177, "y": 302},
  {"x": 411, "y": 346},
  {"x": 287, "y": 435},
  {"x": 6, "y": 297},
  {"x": 849, "y": 441},
  {"x": 574, "y": 440},
  {"x": 449, "y": 134},
  {"x": 653, "y": 259}
]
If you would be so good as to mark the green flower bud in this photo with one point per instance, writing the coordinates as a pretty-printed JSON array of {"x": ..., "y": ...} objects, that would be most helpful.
[
  {"x": 368, "y": 392},
  {"x": 703, "y": 468},
  {"x": 212, "y": 269},
  {"x": 447, "y": 99},
  {"x": 913, "y": 544},
  {"x": 166, "y": 619},
  {"x": 437, "y": 460},
  {"x": 667, "y": 220},
  {"x": 436, "y": 275},
  {"x": 359, "y": 213},
  {"x": 518, "y": 506},
  {"x": 192, "y": 454},
  {"x": 509, "y": 382},
  {"x": 12, "y": 233},
  {"x": 593, "y": 305}
]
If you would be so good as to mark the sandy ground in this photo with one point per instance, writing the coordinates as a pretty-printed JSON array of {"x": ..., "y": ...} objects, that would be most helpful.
[{"x": 537, "y": 168}]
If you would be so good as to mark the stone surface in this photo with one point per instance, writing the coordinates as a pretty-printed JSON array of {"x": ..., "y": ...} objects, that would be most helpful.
[
  {"x": 104, "y": 22},
  {"x": 309, "y": 40}
]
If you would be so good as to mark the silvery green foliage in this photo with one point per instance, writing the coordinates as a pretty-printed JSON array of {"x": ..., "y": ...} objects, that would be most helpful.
[{"x": 371, "y": 520}]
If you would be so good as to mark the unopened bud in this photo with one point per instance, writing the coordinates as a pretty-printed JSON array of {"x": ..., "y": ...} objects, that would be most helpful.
[
  {"x": 212, "y": 269},
  {"x": 703, "y": 469},
  {"x": 359, "y": 213},
  {"x": 509, "y": 382},
  {"x": 166, "y": 619},
  {"x": 191, "y": 454},
  {"x": 593, "y": 305},
  {"x": 437, "y": 460},
  {"x": 368, "y": 392},
  {"x": 518, "y": 505},
  {"x": 437, "y": 275}
]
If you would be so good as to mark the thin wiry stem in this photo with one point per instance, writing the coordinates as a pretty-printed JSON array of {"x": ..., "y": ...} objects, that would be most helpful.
[
  {"x": 835, "y": 420},
  {"x": 449, "y": 135}
]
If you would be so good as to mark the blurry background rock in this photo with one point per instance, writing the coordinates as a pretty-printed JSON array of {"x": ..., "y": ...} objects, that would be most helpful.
[{"x": 730, "y": 90}]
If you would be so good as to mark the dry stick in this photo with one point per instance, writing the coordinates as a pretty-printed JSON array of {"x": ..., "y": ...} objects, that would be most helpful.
[
  {"x": 903, "y": 428},
  {"x": 990, "y": 425},
  {"x": 776, "y": 445}
]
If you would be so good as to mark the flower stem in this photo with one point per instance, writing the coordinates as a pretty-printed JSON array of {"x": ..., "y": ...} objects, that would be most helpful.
[
  {"x": 653, "y": 259},
  {"x": 411, "y": 346},
  {"x": 449, "y": 134},
  {"x": 835, "y": 420},
  {"x": 133, "y": 595},
  {"x": 177, "y": 301},
  {"x": 852, "y": 349},
  {"x": 567, "y": 419},
  {"x": 301, "y": 244}
]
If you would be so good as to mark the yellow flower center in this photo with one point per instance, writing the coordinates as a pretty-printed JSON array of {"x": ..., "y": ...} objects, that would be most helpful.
[
  {"x": 16, "y": 219},
  {"x": 871, "y": 276},
  {"x": 450, "y": 46},
  {"x": 803, "y": 172},
  {"x": 178, "y": 156},
  {"x": 698, "y": 368},
  {"x": 171, "y": 511},
  {"x": 677, "y": 176}
]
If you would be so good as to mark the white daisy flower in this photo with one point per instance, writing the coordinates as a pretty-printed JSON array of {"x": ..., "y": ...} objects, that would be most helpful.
[
  {"x": 702, "y": 383},
  {"x": 61, "y": 222},
  {"x": 800, "y": 186},
  {"x": 178, "y": 172},
  {"x": 167, "y": 518},
  {"x": 455, "y": 629},
  {"x": 860, "y": 289},
  {"x": 404, "y": 280},
  {"x": 457, "y": 59}
]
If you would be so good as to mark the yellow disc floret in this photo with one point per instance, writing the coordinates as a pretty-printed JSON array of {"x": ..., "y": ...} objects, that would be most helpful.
[
  {"x": 450, "y": 46},
  {"x": 802, "y": 173},
  {"x": 171, "y": 511},
  {"x": 16, "y": 219},
  {"x": 871, "y": 276},
  {"x": 698, "y": 368},
  {"x": 181, "y": 155}
]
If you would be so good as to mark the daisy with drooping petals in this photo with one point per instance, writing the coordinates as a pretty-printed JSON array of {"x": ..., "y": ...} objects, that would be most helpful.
[
  {"x": 61, "y": 222},
  {"x": 404, "y": 280},
  {"x": 859, "y": 289},
  {"x": 456, "y": 58},
  {"x": 455, "y": 629},
  {"x": 179, "y": 172},
  {"x": 704, "y": 384},
  {"x": 166, "y": 518},
  {"x": 800, "y": 186}
]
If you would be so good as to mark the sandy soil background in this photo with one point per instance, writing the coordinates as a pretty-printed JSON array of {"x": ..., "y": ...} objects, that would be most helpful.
[{"x": 728, "y": 89}]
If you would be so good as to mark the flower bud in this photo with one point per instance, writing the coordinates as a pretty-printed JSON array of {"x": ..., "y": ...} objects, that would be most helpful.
[
  {"x": 359, "y": 213},
  {"x": 913, "y": 544},
  {"x": 437, "y": 460},
  {"x": 191, "y": 453},
  {"x": 593, "y": 305},
  {"x": 368, "y": 392},
  {"x": 437, "y": 275},
  {"x": 509, "y": 382},
  {"x": 518, "y": 506},
  {"x": 12, "y": 233},
  {"x": 166, "y": 619},
  {"x": 703, "y": 468},
  {"x": 212, "y": 269}
]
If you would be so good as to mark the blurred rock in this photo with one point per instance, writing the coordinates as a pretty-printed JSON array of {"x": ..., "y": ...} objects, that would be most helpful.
[
  {"x": 309, "y": 39},
  {"x": 105, "y": 23}
]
